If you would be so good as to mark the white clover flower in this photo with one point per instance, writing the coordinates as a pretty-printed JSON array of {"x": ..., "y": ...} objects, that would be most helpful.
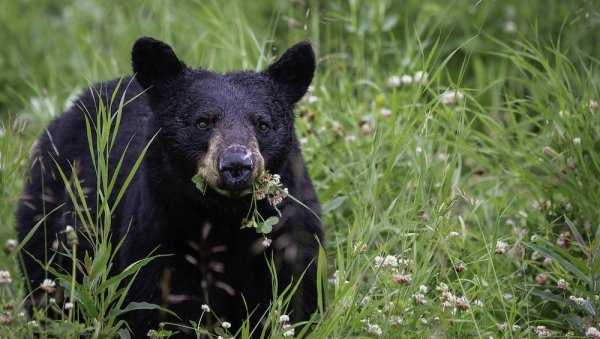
[
  {"x": 395, "y": 320},
  {"x": 541, "y": 279},
  {"x": 500, "y": 247},
  {"x": 593, "y": 106},
  {"x": 503, "y": 326},
  {"x": 478, "y": 303},
  {"x": 462, "y": 303},
  {"x": 448, "y": 296},
  {"x": 385, "y": 112},
  {"x": 374, "y": 329},
  {"x": 69, "y": 305},
  {"x": 515, "y": 328},
  {"x": 577, "y": 300},
  {"x": 592, "y": 332},
  {"x": 33, "y": 323},
  {"x": 5, "y": 278},
  {"x": 226, "y": 325},
  {"x": 423, "y": 320},
  {"x": 406, "y": 79},
  {"x": 394, "y": 81},
  {"x": 52, "y": 300},
  {"x": 284, "y": 318},
  {"x": 266, "y": 242},
  {"x": 420, "y": 299},
  {"x": 350, "y": 138},
  {"x": 390, "y": 261},
  {"x": 289, "y": 333},
  {"x": 48, "y": 285},
  {"x": 312, "y": 99},
  {"x": 10, "y": 245},
  {"x": 378, "y": 260},
  {"x": 454, "y": 234},
  {"x": 423, "y": 289},
  {"x": 542, "y": 331},
  {"x": 562, "y": 284},
  {"x": 421, "y": 77},
  {"x": 547, "y": 262},
  {"x": 510, "y": 27},
  {"x": 205, "y": 308},
  {"x": 451, "y": 97},
  {"x": 442, "y": 287},
  {"x": 577, "y": 141},
  {"x": 403, "y": 279}
]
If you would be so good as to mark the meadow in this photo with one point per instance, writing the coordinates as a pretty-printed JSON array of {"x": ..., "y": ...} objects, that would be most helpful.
[{"x": 454, "y": 145}]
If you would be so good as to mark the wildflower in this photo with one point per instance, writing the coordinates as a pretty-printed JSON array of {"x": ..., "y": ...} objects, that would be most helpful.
[
  {"x": 592, "y": 332},
  {"x": 515, "y": 328},
  {"x": 460, "y": 267},
  {"x": 442, "y": 287},
  {"x": 205, "y": 308},
  {"x": 403, "y": 279},
  {"x": 454, "y": 234},
  {"x": 535, "y": 256},
  {"x": 447, "y": 296},
  {"x": 312, "y": 99},
  {"x": 289, "y": 333},
  {"x": 226, "y": 325},
  {"x": 451, "y": 97},
  {"x": 71, "y": 235},
  {"x": 394, "y": 81},
  {"x": 266, "y": 242},
  {"x": 48, "y": 285},
  {"x": 366, "y": 128},
  {"x": 576, "y": 141},
  {"x": 33, "y": 323},
  {"x": 562, "y": 284},
  {"x": 423, "y": 289},
  {"x": 374, "y": 329},
  {"x": 423, "y": 320},
  {"x": 350, "y": 138},
  {"x": 462, "y": 303},
  {"x": 420, "y": 299},
  {"x": 10, "y": 246},
  {"x": 577, "y": 300},
  {"x": 390, "y": 261},
  {"x": 541, "y": 331},
  {"x": 500, "y": 247},
  {"x": 447, "y": 304},
  {"x": 277, "y": 198},
  {"x": 284, "y": 318},
  {"x": 395, "y": 320},
  {"x": 503, "y": 326},
  {"x": 510, "y": 27},
  {"x": 52, "y": 301},
  {"x": 21, "y": 315},
  {"x": 478, "y": 303},
  {"x": 5, "y": 278},
  {"x": 359, "y": 247},
  {"x": 68, "y": 305},
  {"x": 593, "y": 106},
  {"x": 421, "y": 77},
  {"x": 406, "y": 79},
  {"x": 541, "y": 279},
  {"x": 564, "y": 239},
  {"x": 385, "y": 112},
  {"x": 5, "y": 319}
]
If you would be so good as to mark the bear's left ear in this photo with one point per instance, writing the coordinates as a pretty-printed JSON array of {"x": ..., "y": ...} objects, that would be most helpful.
[
  {"x": 294, "y": 70},
  {"x": 155, "y": 64}
]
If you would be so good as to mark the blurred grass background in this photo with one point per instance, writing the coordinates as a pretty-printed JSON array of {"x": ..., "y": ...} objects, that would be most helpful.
[{"x": 517, "y": 160}]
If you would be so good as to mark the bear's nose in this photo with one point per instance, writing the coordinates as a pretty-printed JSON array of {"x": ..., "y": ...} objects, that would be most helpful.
[{"x": 236, "y": 166}]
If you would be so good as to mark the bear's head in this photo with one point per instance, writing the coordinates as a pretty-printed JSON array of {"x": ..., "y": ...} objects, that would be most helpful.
[{"x": 227, "y": 128}]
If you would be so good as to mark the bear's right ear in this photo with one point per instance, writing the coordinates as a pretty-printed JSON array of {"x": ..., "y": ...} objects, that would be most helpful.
[{"x": 155, "y": 64}]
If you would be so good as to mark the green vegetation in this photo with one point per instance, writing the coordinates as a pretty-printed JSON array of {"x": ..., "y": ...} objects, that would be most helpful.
[{"x": 455, "y": 147}]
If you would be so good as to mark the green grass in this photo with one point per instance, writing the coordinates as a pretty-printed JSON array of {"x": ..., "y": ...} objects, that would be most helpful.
[{"x": 434, "y": 185}]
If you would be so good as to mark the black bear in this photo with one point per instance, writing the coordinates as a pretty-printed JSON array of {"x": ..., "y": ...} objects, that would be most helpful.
[{"x": 228, "y": 130}]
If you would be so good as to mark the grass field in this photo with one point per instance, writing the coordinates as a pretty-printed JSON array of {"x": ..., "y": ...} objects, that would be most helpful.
[{"x": 455, "y": 147}]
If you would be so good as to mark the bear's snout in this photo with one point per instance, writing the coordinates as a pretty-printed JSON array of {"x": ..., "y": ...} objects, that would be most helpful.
[{"x": 236, "y": 167}]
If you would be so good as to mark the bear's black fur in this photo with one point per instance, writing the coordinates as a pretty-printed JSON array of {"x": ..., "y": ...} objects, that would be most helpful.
[{"x": 201, "y": 120}]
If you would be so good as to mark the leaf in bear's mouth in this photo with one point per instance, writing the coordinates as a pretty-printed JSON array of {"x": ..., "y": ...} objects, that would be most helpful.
[{"x": 199, "y": 182}]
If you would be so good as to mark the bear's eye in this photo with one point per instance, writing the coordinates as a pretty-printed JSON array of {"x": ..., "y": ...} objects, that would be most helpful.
[
  {"x": 262, "y": 127},
  {"x": 203, "y": 124}
]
